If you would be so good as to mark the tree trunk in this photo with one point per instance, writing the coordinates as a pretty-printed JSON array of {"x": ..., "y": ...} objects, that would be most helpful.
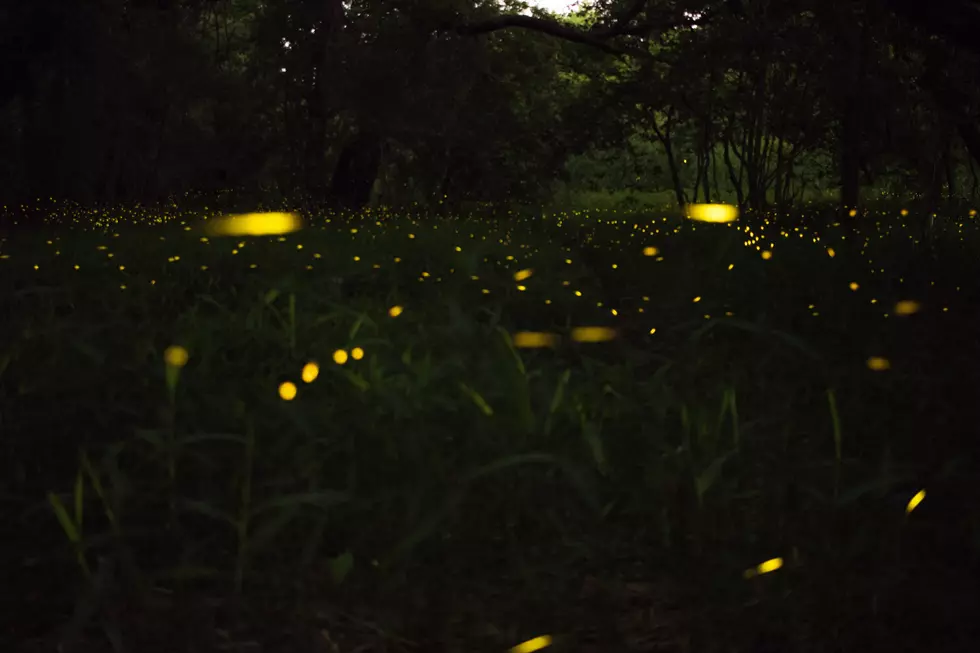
[
  {"x": 850, "y": 160},
  {"x": 975, "y": 185},
  {"x": 664, "y": 137},
  {"x": 950, "y": 172},
  {"x": 852, "y": 116},
  {"x": 319, "y": 99},
  {"x": 736, "y": 181},
  {"x": 356, "y": 171}
]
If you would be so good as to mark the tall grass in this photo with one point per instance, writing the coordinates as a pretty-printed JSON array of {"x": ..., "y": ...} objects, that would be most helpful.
[{"x": 452, "y": 473}]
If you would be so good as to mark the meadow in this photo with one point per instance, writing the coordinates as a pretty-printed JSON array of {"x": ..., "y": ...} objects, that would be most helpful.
[{"x": 620, "y": 430}]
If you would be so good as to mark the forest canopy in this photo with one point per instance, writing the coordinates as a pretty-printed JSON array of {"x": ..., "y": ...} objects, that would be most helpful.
[{"x": 359, "y": 102}]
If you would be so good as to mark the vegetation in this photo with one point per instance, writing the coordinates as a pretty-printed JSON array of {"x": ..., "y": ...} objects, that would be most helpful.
[
  {"x": 485, "y": 375},
  {"x": 437, "y": 480}
]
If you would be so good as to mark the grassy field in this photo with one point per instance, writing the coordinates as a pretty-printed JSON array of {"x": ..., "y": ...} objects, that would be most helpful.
[{"x": 341, "y": 438}]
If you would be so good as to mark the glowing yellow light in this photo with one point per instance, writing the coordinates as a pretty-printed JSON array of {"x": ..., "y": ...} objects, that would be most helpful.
[
  {"x": 523, "y": 274},
  {"x": 878, "y": 363},
  {"x": 287, "y": 390},
  {"x": 395, "y": 311},
  {"x": 831, "y": 253},
  {"x": 593, "y": 334},
  {"x": 534, "y": 339},
  {"x": 764, "y": 568},
  {"x": 854, "y": 285},
  {"x": 254, "y": 224},
  {"x": 357, "y": 353},
  {"x": 340, "y": 357},
  {"x": 310, "y": 371},
  {"x": 712, "y": 212},
  {"x": 653, "y": 330},
  {"x": 973, "y": 213},
  {"x": 852, "y": 212},
  {"x": 175, "y": 356},
  {"x": 907, "y": 307},
  {"x": 915, "y": 501},
  {"x": 532, "y": 645},
  {"x": 766, "y": 255},
  {"x": 697, "y": 299},
  {"x": 904, "y": 212},
  {"x": 650, "y": 251}
]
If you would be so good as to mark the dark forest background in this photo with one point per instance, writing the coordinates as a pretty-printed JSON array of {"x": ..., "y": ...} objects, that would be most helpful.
[
  {"x": 498, "y": 386},
  {"x": 398, "y": 102}
]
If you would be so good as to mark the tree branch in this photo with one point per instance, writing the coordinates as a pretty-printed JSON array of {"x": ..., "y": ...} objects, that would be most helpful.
[
  {"x": 597, "y": 37},
  {"x": 958, "y": 20},
  {"x": 550, "y": 27}
]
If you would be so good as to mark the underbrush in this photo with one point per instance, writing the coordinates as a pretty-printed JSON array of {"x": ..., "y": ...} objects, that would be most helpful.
[{"x": 435, "y": 484}]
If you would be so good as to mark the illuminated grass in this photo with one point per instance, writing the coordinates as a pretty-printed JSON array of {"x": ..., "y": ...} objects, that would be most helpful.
[{"x": 463, "y": 420}]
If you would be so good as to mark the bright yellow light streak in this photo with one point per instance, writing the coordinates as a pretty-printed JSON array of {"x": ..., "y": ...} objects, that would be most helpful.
[
  {"x": 532, "y": 645},
  {"x": 534, "y": 339},
  {"x": 915, "y": 501},
  {"x": 764, "y": 568},
  {"x": 593, "y": 334},
  {"x": 254, "y": 224},
  {"x": 907, "y": 307},
  {"x": 718, "y": 213},
  {"x": 878, "y": 363}
]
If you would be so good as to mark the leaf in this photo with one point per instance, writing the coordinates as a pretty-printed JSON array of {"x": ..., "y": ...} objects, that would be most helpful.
[
  {"x": 879, "y": 486},
  {"x": 67, "y": 525},
  {"x": 749, "y": 327},
  {"x": 706, "y": 479},
  {"x": 509, "y": 342},
  {"x": 271, "y": 528},
  {"x": 213, "y": 437},
  {"x": 79, "y": 496},
  {"x": 318, "y": 499},
  {"x": 431, "y": 523},
  {"x": 559, "y": 393},
  {"x": 356, "y": 327},
  {"x": 153, "y": 437},
  {"x": 270, "y": 296},
  {"x": 202, "y": 508},
  {"x": 96, "y": 482},
  {"x": 590, "y": 433},
  {"x": 477, "y": 399},
  {"x": 358, "y": 380},
  {"x": 556, "y": 400},
  {"x": 341, "y": 566}
]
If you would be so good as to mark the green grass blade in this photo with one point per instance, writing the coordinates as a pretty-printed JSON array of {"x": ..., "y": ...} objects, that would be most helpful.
[
  {"x": 79, "y": 497},
  {"x": 477, "y": 399},
  {"x": 64, "y": 519}
]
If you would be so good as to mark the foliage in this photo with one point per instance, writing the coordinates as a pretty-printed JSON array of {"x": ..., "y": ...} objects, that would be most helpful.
[{"x": 445, "y": 477}]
